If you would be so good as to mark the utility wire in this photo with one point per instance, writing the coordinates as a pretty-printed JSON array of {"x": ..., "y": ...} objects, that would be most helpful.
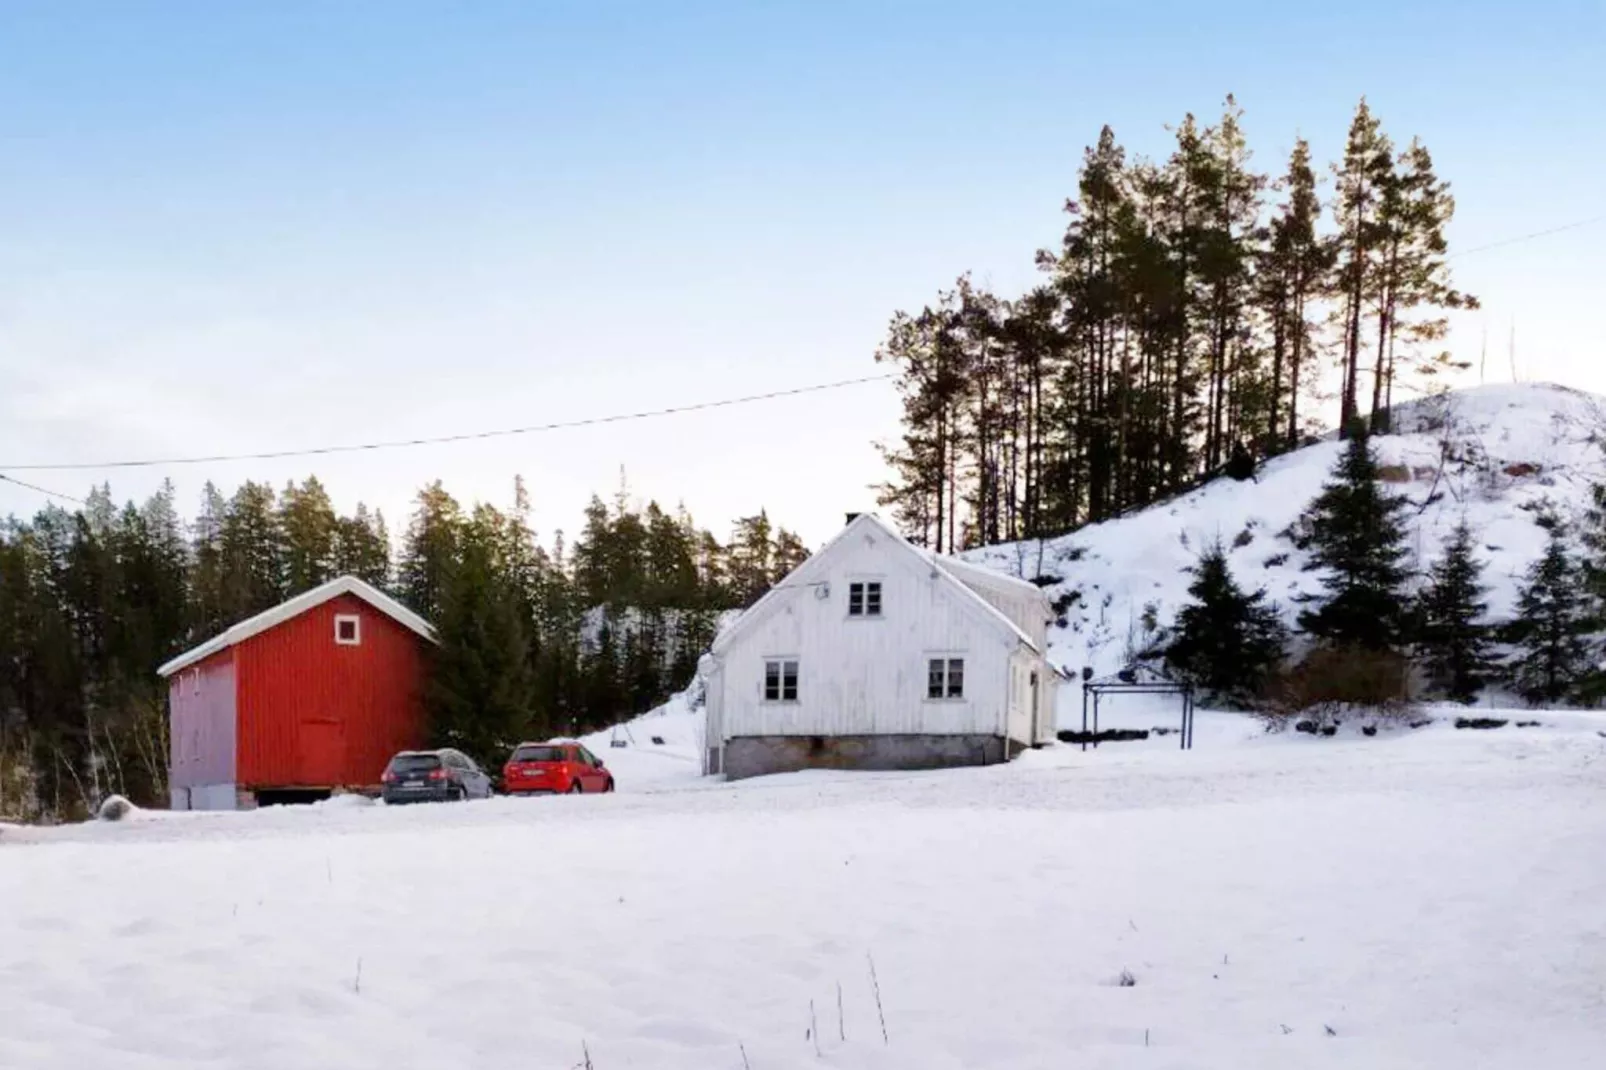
[
  {"x": 1526, "y": 237},
  {"x": 42, "y": 490},
  {"x": 436, "y": 440}
]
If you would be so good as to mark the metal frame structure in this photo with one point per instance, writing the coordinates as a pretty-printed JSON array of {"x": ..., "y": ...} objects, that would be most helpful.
[{"x": 1136, "y": 680}]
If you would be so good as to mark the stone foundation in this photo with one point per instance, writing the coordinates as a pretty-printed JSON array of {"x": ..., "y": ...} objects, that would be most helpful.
[{"x": 761, "y": 755}]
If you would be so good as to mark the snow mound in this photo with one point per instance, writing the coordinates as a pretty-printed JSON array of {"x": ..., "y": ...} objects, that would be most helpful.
[
  {"x": 115, "y": 808},
  {"x": 1495, "y": 455}
]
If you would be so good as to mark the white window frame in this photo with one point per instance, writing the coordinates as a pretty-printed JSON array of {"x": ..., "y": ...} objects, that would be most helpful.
[
  {"x": 948, "y": 675},
  {"x": 780, "y": 680},
  {"x": 864, "y": 586},
  {"x": 356, "y": 629}
]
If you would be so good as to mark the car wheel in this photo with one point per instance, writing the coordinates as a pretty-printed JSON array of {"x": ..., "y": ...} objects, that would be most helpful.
[
  {"x": 457, "y": 795},
  {"x": 609, "y": 785},
  {"x": 575, "y": 788}
]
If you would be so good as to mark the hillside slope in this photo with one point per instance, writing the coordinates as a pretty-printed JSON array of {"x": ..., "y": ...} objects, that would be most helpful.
[{"x": 1493, "y": 454}]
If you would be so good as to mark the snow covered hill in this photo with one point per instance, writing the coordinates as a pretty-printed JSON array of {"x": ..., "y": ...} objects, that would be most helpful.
[{"x": 1492, "y": 454}]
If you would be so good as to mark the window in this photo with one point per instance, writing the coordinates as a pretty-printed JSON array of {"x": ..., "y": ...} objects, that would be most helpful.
[
  {"x": 945, "y": 678},
  {"x": 780, "y": 681},
  {"x": 348, "y": 630},
  {"x": 864, "y": 599}
]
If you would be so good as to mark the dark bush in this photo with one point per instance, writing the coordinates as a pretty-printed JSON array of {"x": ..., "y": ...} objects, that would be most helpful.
[
  {"x": 1331, "y": 680},
  {"x": 1480, "y": 722},
  {"x": 1108, "y": 735}
]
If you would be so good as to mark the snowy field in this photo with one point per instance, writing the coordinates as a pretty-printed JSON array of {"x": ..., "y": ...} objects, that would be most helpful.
[{"x": 1427, "y": 899}]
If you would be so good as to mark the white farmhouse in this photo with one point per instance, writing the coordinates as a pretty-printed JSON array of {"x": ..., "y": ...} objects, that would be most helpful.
[{"x": 876, "y": 654}]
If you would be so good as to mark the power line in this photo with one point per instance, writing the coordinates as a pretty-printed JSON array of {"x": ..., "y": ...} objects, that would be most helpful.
[
  {"x": 1527, "y": 237},
  {"x": 436, "y": 440},
  {"x": 42, "y": 490}
]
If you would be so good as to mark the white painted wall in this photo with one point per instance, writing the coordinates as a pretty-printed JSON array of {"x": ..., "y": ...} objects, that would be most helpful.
[
  {"x": 865, "y": 675},
  {"x": 204, "y": 797}
]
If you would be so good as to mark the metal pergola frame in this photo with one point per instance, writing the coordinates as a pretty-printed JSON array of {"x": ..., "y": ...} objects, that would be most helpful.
[{"x": 1135, "y": 680}]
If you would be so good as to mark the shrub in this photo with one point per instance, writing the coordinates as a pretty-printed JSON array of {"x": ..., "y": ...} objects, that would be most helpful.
[{"x": 1332, "y": 680}]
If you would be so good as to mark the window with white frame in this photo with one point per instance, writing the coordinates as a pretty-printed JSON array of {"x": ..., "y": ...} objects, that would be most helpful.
[
  {"x": 780, "y": 680},
  {"x": 945, "y": 678},
  {"x": 348, "y": 629},
  {"x": 864, "y": 599}
]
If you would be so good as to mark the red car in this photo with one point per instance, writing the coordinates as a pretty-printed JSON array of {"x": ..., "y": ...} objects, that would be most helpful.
[{"x": 542, "y": 768}]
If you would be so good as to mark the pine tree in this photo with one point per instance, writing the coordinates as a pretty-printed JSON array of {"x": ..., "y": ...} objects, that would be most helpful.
[
  {"x": 1357, "y": 538},
  {"x": 1366, "y": 172},
  {"x": 1452, "y": 640},
  {"x": 1227, "y": 642},
  {"x": 1293, "y": 271},
  {"x": 1552, "y": 621}
]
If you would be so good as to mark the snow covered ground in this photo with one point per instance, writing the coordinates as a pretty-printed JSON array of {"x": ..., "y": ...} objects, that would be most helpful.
[
  {"x": 1427, "y": 898},
  {"x": 1490, "y": 454}
]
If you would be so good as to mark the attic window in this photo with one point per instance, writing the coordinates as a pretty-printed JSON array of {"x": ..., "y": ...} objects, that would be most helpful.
[
  {"x": 864, "y": 599},
  {"x": 348, "y": 630}
]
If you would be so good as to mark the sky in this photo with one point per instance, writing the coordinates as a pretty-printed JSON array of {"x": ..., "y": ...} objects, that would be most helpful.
[{"x": 254, "y": 227}]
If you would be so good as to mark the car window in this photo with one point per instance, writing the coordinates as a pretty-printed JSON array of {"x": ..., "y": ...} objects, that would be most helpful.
[
  {"x": 540, "y": 754},
  {"x": 414, "y": 763},
  {"x": 587, "y": 757}
]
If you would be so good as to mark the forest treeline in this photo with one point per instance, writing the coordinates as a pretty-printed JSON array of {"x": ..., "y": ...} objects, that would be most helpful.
[
  {"x": 1193, "y": 310},
  {"x": 535, "y": 638}
]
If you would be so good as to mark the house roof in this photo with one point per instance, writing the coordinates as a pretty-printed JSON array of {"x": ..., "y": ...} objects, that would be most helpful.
[
  {"x": 957, "y": 575},
  {"x": 296, "y": 606}
]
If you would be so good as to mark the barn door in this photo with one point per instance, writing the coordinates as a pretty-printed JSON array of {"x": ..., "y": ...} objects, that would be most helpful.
[{"x": 323, "y": 752}]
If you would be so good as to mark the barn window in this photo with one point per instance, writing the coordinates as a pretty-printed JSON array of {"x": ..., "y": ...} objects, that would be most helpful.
[
  {"x": 780, "y": 680},
  {"x": 348, "y": 630},
  {"x": 864, "y": 599},
  {"x": 945, "y": 678}
]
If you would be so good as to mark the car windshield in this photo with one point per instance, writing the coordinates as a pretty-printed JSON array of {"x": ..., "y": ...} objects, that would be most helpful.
[
  {"x": 539, "y": 754},
  {"x": 414, "y": 763}
]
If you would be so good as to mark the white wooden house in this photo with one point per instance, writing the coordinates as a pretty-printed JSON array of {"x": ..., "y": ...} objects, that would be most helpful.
[{"x": 876, "y": 654}]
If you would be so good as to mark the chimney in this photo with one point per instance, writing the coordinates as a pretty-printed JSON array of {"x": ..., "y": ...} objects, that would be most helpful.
[{"x": 852, "y": 517}]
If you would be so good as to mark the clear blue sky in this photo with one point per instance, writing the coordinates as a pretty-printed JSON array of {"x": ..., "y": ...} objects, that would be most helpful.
[{"x": 251, "y": 226}]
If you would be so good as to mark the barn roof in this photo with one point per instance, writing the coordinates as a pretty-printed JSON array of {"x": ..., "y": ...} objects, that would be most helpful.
[
  {"x": 296, "y": 606},
  {"x": 962, "y": 579}
]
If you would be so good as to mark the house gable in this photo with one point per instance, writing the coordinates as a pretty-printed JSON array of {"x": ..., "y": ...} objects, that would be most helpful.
[{"x": 818, "y": 572}]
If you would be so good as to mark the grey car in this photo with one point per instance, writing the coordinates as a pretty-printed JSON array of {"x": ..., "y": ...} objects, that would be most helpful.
[{"x": 442, "y": 775}]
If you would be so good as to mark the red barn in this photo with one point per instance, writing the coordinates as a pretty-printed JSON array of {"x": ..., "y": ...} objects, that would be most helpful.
[{"x": 309, "y": 696}]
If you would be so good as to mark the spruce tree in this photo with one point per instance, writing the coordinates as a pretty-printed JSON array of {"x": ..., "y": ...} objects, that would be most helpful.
[
  {"x": 1452, "y": 640},
  {"x": 1357, "y": 538},
  {"x": 481, "y": 690},
  {"x": 430, "y": 548},
  {"x": 1228, "y": 641},
  {"x": 310, "y": 528},
  {"x": 1552, "y": 620}
]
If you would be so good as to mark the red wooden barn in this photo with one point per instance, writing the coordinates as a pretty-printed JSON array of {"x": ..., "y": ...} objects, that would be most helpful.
[{"x": 309, "y": 696}]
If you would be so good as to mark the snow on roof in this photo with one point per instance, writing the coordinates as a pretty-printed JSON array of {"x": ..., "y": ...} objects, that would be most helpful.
[{"x": 294, "y": 608}]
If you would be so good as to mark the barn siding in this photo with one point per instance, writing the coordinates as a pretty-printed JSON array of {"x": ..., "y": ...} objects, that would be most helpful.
[
  {"x": 867, "y": 676},
  {"x": 201, "y": 735},
  {"x": 314, "y": 713}
]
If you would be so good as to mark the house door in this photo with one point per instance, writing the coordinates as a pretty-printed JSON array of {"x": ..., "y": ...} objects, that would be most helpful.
[
  {"x": 322, "y": 753},
  {"x": 1037, "y": 713}
]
